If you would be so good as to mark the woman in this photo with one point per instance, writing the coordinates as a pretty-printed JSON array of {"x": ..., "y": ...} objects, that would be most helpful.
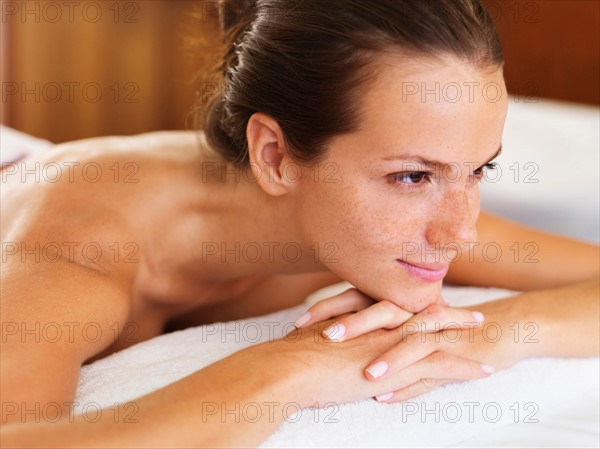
[{"x": 324, "y": 140}]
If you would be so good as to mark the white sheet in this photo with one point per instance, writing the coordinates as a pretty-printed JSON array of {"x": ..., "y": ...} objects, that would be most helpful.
[
  {"x": 16, "y": 144},
  {"x": 549, "y": 168},
  {"x": 533, "y": 390}
]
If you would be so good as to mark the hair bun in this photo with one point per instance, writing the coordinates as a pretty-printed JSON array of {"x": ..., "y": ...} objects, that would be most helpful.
[{"x": 236, "y": 16}]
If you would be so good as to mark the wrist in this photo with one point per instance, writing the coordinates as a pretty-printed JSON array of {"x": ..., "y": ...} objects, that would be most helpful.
[
  {"x": 565, "y": 320},
  {"x": 277, "y": 374},
  {"x": 531, "y": 326},
  {"x": 510, "y": 331}
]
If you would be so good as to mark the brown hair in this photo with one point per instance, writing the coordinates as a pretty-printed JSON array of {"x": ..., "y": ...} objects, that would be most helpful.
[{"x": 301, "y": 61}]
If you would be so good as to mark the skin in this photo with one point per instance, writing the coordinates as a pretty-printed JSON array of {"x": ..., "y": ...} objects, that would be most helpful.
[
  {"x": 374, "y": 221},
  {"x": 174, "y": 279}
]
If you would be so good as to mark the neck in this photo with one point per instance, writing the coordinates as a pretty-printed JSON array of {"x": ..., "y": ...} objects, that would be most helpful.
[{"x": 254, "y": 234}]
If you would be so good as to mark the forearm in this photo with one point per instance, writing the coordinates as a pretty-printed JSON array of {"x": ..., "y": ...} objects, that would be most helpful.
[
  {"x": 566, "y": 320},
  {"x": 231, "y": 403},
  {"x": 512, "y": 256}
]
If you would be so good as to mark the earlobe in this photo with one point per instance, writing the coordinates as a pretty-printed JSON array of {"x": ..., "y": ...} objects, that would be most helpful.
[{"x": 267, "y": 153}]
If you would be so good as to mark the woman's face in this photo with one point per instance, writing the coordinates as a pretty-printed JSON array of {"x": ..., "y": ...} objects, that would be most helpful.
[{"x": 395, "y": 201}]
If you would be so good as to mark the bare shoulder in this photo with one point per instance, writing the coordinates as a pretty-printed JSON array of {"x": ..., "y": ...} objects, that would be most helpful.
[
  {"x": 77, "y": 182},
  {"x": 163, "y": 145},
  {"x": 74, "y": 222}
]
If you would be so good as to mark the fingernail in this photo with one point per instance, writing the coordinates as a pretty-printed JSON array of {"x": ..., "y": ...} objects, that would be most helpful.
[
  {"x": 377, "y": 369},
  {"x": 444, "y": 300},
  {"x": 335, "y": 332},
  {"x": 384, "y": 397},
  {"x": 303, "y": 319},
  {"x": 478, "y": 317},
  {"x": 487, "y": 368}
]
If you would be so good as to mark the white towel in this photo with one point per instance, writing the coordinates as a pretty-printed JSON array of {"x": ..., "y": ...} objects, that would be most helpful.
[
  {"x": 15, "y": 145},
  {"x": 445, "y": 416}
]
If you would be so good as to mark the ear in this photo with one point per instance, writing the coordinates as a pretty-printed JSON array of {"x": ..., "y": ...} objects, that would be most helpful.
[{"x": 269, "y": 160}]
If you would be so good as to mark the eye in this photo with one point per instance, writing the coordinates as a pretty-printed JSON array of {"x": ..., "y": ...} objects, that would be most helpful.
[
  {"x": 480, "y": 172},
  {"x": 410, "y": 178}
]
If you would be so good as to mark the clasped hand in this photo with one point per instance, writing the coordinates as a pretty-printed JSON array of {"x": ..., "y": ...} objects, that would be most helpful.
[{"x": 436, "y": 346}]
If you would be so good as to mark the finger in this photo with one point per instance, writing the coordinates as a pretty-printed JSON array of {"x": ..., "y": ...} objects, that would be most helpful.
[
  {"x": 436, "y": 318},
  {"x": 408, "y": 352},
  {"x": 412, "y": 391},
  {"x": 421, "y": 353},
  {"x": 435, "y": 370},
  {"x": 317, "y": 330},
  {"x": 383, "y": 314},
  {"x": 423, "y": 386},
  {"x": 351, "y": 300}
]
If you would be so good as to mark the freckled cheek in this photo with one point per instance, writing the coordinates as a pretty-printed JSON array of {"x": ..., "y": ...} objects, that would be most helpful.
[
  {"x": 406, "y": 222},
  {"x": 364, "y": 217},
  {"x": 328, "y": 212}
]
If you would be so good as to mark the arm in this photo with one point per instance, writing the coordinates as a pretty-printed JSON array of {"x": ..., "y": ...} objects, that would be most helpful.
[
  {"x": 533, "y": 324},
  {"x": 560, "y": 284},
  {"x": 54, "y": 317},
  {"x": 40, "y": 369},
  {"x": 188, "y": 413},
  {"x": 47, "y": 302},
  {"x": 566, "y": 317},
  {"x": 192, "y": 412},
  {"x": 529, "y": 259}
]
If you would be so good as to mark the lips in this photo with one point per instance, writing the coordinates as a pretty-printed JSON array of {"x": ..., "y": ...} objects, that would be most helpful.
[{"x": 432, "y": 272}]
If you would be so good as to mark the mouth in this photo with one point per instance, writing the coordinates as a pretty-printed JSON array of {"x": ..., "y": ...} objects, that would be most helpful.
[{"x": 432, "y": 272}]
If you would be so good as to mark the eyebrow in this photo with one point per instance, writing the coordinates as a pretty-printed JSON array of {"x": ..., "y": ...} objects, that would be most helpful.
[{"x": 434, "y": 164}]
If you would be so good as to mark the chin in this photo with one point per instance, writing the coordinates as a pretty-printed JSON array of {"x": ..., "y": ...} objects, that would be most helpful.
[{"x": 410, "y": 296}]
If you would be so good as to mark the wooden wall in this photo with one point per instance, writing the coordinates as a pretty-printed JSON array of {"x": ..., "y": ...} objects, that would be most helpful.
[
  {"x": 102, "y": 67},
  {"x": 79, "y": 69},
  {"x": 551, "y": 47}
]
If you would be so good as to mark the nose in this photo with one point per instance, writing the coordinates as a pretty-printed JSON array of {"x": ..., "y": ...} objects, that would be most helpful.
[{"x": 455, "y": 219}]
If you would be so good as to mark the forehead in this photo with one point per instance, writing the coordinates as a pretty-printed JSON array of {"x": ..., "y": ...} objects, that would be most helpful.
[{"x": 432, "y": 104}]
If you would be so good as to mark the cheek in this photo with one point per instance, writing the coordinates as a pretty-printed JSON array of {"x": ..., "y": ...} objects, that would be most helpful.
[
  {"x": 405, "y": 221},
  {"x": 369, "y": 227},
  {"x": 392, "y": 219},
  {"x": 364, "y": 220}
]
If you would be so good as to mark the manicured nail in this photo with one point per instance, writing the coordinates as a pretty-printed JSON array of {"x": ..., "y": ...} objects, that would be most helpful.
[
  {"x": 335, "y": 332},
  {"x": 478, "y": 317},
  {"x": 487, "y": 368},
  {"x": 384, "y": 397},
  {"x": 302, "y": 320},
  {"x": 377, "y": 369}
]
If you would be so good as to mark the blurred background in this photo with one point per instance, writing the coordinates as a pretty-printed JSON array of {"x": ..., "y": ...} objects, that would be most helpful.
[{"x": 75, "y": 69}]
